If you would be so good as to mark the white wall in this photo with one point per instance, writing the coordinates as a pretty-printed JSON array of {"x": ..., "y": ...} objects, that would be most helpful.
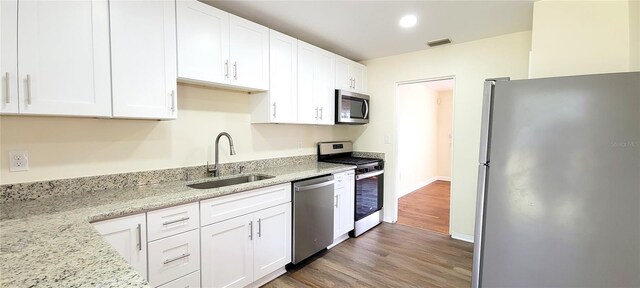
[
  {"x": 445, "y": 118},
  {"x": 584, "y": 37},
  {"x": 470, "y": 63},
  {"x": 634, "y": 35},
  {"x": 74, "y": 147},
  {"x": 417, "y": 141}
]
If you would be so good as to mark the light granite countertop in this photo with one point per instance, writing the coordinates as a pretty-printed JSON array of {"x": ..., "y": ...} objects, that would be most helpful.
[{"x": 50, "y": 242}]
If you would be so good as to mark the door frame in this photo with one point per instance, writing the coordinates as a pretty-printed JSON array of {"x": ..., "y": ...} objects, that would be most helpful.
[{"x": 396, "y": 188}]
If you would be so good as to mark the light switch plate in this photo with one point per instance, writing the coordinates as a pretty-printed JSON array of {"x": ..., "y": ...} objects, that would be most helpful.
[
  {"x": 387, "y": 139},
  {"x": 18, "y": 161}
]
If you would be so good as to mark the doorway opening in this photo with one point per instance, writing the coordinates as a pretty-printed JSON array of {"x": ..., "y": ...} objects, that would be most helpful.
[{"x": 425, "y": 141}]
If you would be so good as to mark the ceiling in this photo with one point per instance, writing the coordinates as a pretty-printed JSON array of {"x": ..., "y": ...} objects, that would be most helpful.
[{"x": 362, "y": 30}]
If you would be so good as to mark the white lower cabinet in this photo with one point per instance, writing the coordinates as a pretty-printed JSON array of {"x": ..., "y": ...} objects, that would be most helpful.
[
  {"x": 173, "y": 257},
  {"x": 272, "y": 246},
  {"x": 227, "y": 253},
  {"x": 128, "y": 235},
  {"x": 242, "y": 250},
  {"x": 245, "y": 240},
  {"x": 247, "y": 237},
  {"x": 344, "y": 205}
]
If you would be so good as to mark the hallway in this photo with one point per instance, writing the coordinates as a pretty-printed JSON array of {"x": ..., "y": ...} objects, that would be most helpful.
[{"x": 427, "y": 208}]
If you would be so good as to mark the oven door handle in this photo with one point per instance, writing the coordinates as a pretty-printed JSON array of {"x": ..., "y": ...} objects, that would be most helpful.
[{"x": 367, "y": 175}]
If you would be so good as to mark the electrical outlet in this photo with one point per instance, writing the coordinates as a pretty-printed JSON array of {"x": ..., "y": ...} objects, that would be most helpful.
[
  {"x": 299, "y": 145},
  {"x": 18, "y": 161}
]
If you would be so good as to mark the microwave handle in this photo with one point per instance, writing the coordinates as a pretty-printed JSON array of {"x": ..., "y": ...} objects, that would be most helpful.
[{"x": 366, "y": 111}]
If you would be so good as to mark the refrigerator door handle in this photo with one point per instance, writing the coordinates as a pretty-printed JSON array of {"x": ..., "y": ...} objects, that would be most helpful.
[
  {"x": 487, "y": 109},
  {"x": 479, "y": 228}
]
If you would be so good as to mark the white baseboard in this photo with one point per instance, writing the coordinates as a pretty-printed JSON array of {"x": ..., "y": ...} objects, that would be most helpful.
[
  {"x": 462, "y": 237},
  {"x": 267, "y": 278},
  {"x": 444, "y": 178}
]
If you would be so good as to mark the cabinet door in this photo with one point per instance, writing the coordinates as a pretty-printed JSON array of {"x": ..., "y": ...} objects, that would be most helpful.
[
  {"x": 63, "y": 53},
  {"x": 344, "y": 209},
  {"x": 143, "y": 59},
  {"x": 324, "y": 86},
  {"x": 283, "y": 92},
  {"x": 272, "y": 245},
  {"x": 9, "y": 56},
  {"x": 203, "y": 42},
  {"x": 343, "y": 78},
  {"x": 307, "y": 109},
  {"x": 358, "y": 73},
  {"x": 337, "y": 210},
  {"x": 249, "y": 53},
  {"x": 347, "y": 202},
  {"x": 128, "y": 236},
  {"x": 227, "y": 253}
]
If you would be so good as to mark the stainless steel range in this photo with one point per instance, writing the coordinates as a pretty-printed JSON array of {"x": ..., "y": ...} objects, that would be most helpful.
[{"x": 369, "y": 182}]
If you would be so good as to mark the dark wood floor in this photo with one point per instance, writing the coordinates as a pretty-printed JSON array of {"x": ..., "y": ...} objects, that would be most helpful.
[
  {"x": 389, "y": 255},
  {"x": 427, "y": 208}
]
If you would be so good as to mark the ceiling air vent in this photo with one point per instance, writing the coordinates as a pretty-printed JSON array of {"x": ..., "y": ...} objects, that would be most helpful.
[{"x": 439, "y": 42}]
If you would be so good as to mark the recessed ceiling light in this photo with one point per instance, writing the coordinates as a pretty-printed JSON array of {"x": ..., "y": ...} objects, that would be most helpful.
[{"x": 408, "y": 21}]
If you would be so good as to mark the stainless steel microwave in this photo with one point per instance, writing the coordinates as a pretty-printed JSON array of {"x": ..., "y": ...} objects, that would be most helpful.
[{"x": 351, "y": 108}]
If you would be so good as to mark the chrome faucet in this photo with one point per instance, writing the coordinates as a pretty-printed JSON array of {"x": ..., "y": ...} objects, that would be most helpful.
[{"x": 216, "y": 167}]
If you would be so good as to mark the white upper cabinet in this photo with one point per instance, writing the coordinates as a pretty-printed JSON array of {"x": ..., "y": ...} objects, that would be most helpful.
[
  {"x": 203, "y": 43},
  {"x": 316, "y": 86},
  {"x": 249, "y": 50},
  {"x": 350, "y": 75},
  {"x": 63, "y": 57},
  {"x": 283, "y": 93},
  {"x": 219, "y": 49},
  {"x": 143, "y": 59},
  {"x": 9, "y": 56}
]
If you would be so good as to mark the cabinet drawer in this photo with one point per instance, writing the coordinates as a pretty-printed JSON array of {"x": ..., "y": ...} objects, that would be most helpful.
[
  {"x": 340, "y": 179},
  {"x": 190, "y": 281},
  {"x": 174, "y": 257},
  {"x": 171, "y": 221},
  {"x": 226, "y": 207}
]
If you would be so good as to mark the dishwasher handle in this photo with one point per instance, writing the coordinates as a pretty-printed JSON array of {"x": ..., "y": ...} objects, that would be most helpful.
[{"x": 314, "y": 186}]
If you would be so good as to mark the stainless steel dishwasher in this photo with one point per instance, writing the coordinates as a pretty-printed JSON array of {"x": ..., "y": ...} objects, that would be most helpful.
[{"x": 312, "y": 216}]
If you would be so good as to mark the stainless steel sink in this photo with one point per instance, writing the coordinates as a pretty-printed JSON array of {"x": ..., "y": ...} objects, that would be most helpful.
[{"x": 231, "y": 181}]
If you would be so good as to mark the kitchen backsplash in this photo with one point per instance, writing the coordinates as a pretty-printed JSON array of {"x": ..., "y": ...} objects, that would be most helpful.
[{"x": 43, "y": 189}]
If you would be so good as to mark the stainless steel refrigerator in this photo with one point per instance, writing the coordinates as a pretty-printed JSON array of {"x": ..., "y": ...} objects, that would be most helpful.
[{"x": 559, "y": 183}]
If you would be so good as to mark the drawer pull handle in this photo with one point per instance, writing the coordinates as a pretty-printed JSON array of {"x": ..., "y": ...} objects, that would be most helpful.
[
  {"x": 175, "y": 221},
  {"x": 259, "y": 227},
  {"x": 139, "y": 237},
  {"x": 176, "y": 258}
]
